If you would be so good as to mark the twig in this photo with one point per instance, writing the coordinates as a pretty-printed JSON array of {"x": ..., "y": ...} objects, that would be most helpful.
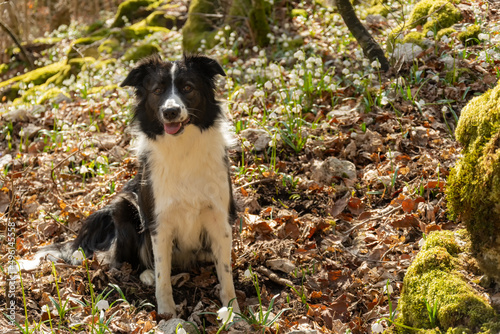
[
  {"x": 273, "y": 277},
  {"x": 371, "y": 219},
  {"x": 66, "y": 227},
  {"x": 254, "y": 182},
  {"x": 19, "y": 45}
]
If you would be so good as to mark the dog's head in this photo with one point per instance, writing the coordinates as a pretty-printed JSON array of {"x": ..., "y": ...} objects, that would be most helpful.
[{"x": 173, "y": 95}]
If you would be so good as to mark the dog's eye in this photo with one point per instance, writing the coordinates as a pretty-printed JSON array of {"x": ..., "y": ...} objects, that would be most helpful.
[
  {"x": 158, "y": 91},
  {"x": 187, "y": 89}
]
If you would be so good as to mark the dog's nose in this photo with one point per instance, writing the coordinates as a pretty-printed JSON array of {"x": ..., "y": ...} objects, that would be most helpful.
[{"x": 171, "y": 113}]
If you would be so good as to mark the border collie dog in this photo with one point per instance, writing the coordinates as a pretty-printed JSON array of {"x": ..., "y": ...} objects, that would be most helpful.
[{"x": 177, "y": 209}]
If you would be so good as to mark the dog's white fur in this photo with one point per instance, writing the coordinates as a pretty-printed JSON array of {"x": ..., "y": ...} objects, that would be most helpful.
[{"x": 191, "y": 190}]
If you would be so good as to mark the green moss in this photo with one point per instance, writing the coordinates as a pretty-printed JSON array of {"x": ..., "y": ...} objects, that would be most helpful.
[
  {"x": 139, "y": 32},
  {"x": 159, "y": 19},
  {"x": 84, "y": 47},
  {"x": 99, "y": 65},
  {"x": 445, "y": 32},
  {"x": 458, "y": 73},
  {"x": 102, "y": 89},
  {"x": 94, "y": 27},
  {"x": 378, "y": 10},
  {"x": 3, "y": 68},
  {"x": 470, "y": 36},
  {"x": 433, "y": 15},
  {"x": 414, "y": 37},
  {"x": 197, "y": 27},
  {"x": 299, "y": 12},
  {"x": 141, "y": 51},
  {"x": 108, "y": 46},
  {"x": 47, "y": 40},
  {"x": 259, "y": 23},
  {"x": 473, "y": 187},
  {"x": 51, "y": 94},
  {"x": 434, "y": 277},
  {"x": 129, "y": 9}
]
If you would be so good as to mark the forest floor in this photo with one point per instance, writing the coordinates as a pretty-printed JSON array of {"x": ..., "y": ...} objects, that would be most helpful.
[{"x": 342, "y": 175}]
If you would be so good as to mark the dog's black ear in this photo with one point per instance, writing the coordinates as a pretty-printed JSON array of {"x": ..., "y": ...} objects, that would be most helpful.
[
  {"x": 208, "y": 66},
  {"x": 146, "y": 66}
]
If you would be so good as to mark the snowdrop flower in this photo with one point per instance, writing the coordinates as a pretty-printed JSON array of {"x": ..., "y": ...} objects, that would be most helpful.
[
  {"x": 247, "y": 274},
  {"x": 273, "y": 115},
  {"x": 92, "y": 128},
  {"x": 46, "y": 308},
  {"x": 8, "y": 137},
  {"x": 299, "y": 55},
  {"x": 388, "y": 289},
  {"x": 435, "y": 78},
  {"x": 84, "y": 170},
  {"x": 483, "y": 36},
  {"x": 283, "y": 95},
  {"x": 268, "y": 85},
  {"x": 346, "y": 63},
  {"x": 246, "y": 143},
  {"x": 21, "y": 133},
  {"x": 258, "y": 93},
  {"x": 78, "y": 255},
  {"x": 327, "y": 79},
  {"x": 181, "y": 331},
  {"x": 345, "y": 71},
  {"x": 101, "y": 160},
  {"x": 375, "y": 64},
  {"x": 421, "y": 242},
  {"x": 384, "y": 101},
  {"x": 255, "y": 49},
  {"x": 225, "y": 315},
  {"x": 430, "y": 33},
  {"x": 102, "y": 305},
  {"x": 357, "y": 82},
  {"x": 377, "y": 327}
]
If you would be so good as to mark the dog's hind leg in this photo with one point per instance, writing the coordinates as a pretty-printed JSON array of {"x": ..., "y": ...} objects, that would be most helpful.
[{"x": 219, "y": 232}]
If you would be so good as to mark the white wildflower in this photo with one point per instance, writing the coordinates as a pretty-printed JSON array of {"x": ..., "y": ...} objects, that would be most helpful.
[
  {"x": 181, "y": 331},
  {"x": 84, "y": 170},
  {"x": 102, "y": 305},
  {"x": 345, "y": 71},
  {"x": 388, "y": 289},
  {"x": 299, "y": 55},
  {"x": 247, "y": 274},
  {"x": 268, "y": 85},
  {"x": 78, "y": 255},
  {"x": 483, "y": 36},
  {"x": 21, "y": 133},
  {"x": 101, "y": 160},
  {"x": 377, "y": 327},
  {"x": 375, "y": 64},
  {"x": 258, "y": 93},
  {"x": 225, "y": 314},
  {"x": 384, "y": 101}
]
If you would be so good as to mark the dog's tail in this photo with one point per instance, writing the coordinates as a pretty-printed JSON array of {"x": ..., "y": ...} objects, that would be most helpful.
[{"x": 96, "y": 234}]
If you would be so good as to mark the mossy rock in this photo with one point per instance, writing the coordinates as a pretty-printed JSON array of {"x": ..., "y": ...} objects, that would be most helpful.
[
  {"x": 108, "y": 46},
  {"x": 432, "y": 15},
  {"x": 130, "y": 10},
  {"x": 141, "y": 51},
  {"x": 160, "y": 19},
  {"x": 102, "y": 89},
  {"x": 473, "y": 188},
  {"x": 51, "y": 94},
  {"x": 197, "y": 27},
  {"x": 414, "y": 37},
  {"x": 85, "y": 47},
  {"x": 94, "y": 27},
  {"x": 299, "y": 12},
  {"x": 4, "y": 68},
  {"x": 470, "y": 36},
  {"x": 99, "y": 65},
  {"x": 445, "y": 32},
  {"x": 10, "y": 88},
  {"x": 139, "y": 32},
  {"x": 378, "y": 10},
  {"x": 434, "y": 277}
]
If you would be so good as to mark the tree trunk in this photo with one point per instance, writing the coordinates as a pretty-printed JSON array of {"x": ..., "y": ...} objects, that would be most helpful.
[
  {"x": 18, "y": 43},
  {"x": 370, "y": 47}
]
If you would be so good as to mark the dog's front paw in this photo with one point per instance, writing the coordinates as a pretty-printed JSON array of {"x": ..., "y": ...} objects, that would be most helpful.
[
  {"x": 168, "y": 307},
  {"x": 147, "y": 277}
]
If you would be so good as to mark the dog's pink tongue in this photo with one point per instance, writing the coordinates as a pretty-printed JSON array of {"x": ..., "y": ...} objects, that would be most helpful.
[{"x": 172, "y": 128}]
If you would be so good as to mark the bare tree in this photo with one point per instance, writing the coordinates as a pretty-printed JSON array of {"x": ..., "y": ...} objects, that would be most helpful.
[{"x": 370, "y": 47}]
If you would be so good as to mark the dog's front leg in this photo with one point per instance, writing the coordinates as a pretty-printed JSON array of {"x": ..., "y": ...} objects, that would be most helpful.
[
  {"x": 219, "y": 232},
  {"x": 162, "y": 250}
]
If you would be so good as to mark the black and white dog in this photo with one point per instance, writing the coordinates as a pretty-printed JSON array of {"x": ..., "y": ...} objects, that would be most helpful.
[{"x": 178, "y": 208}]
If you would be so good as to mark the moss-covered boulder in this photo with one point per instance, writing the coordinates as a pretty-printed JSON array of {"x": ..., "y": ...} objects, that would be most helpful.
[
  {"x": 200, "y": 26},
  {"x": 139, "y": 32},
  {"x": 85, "y": 47},
  {"x": 473, "y": 189},
  {"x": 108, "y": 46},
  {"x": 435, "y": 277},
  {"x": 432, "y": 15},
  {"x": 10, "y": 88},
  {"x": 138, "y": 52},
  {"x": 130, "y": 9},
  {"x": 470, "y": 36}
]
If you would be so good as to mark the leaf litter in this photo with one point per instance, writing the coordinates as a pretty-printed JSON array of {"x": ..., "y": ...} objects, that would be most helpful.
[{"x": 323, "y": 239}]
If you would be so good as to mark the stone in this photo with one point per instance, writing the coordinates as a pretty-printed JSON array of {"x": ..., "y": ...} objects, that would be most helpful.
[
  {"x": 5, "y": 161},
  {"x": 169, "y": 326},
  {"x": 259, "y": 138},
  {"x": 283, "y": 265},
  {"x": 406, "y": 52},
  {"x": 323, "y": 172}
]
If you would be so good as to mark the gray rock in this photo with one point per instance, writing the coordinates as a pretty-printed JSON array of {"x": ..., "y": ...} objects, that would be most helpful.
[
  {"x": 60, "y": 98},
  {"x": 5, "y": 160},
  {"x": 283, "y": 265},
  {"x": 258, "y": 137},
  {"x": 406, "y": 52},
  {"x": 323, "y": 172},
  {"x": 16, "y": 115},
  {"x": 169, "y": 326}
]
